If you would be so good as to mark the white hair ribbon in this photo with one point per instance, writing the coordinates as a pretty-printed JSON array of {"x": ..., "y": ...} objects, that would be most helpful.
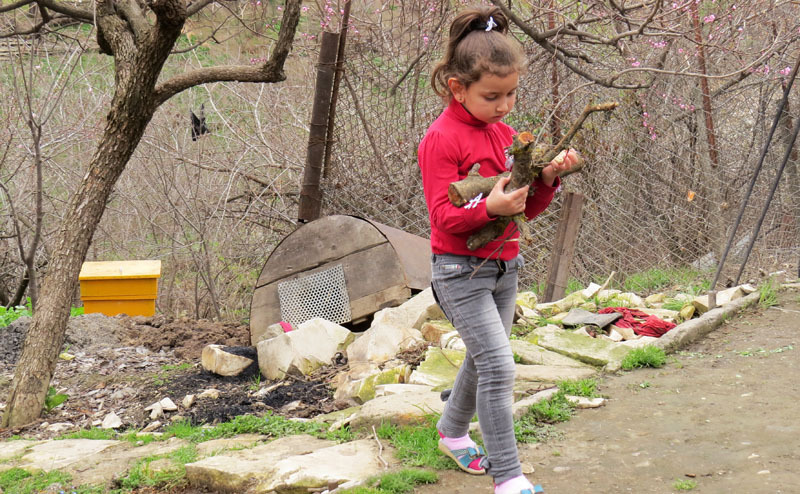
[{"x": 490, "y": 24}]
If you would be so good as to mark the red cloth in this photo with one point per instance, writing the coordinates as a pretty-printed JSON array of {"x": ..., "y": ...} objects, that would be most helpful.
[
  {"x": 454, "y": 142},
  {"x": 641, "y": 323}
]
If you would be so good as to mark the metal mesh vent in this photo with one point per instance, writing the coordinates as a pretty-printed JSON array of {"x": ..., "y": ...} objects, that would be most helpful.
[{"x": 322, "y": 294}]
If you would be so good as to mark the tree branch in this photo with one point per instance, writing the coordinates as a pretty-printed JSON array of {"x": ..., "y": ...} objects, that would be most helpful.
[
  {"x": 136, "y": 19},
  {"x": 270, "y": 71},
  {"x": 15, "y": 5},
  {"x": 68, "y": 10}
]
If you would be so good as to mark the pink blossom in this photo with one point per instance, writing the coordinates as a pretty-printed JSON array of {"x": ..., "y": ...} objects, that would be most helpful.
[
  {"x": 786, "y": 71},
  {"x": 280, "y": 8},
  {"x": 304, "y": 8},
  {"x": 635, "y": 64},
  {"x": 709, "y": 18}
]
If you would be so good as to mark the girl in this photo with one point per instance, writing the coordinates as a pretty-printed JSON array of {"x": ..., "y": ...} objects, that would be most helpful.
[{"x": 478, "y": 77}]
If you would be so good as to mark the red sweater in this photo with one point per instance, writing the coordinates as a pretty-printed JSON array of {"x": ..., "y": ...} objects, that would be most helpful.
[{"x": 453, "y": 144}]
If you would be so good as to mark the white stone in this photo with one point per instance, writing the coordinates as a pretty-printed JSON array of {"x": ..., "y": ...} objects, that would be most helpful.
[
  {"x": 216, "y": 360},
  {"x": 382, "y": 341},
  {"x": 584, "y": 402},
  {"x": 552, "y": 373},
  {"x": 439, "y": 367},
  {"x": 432, "y": 331},
  {"x": 258, "y": 335},
  {"x": 188, "y": 401},
  {"x": 156, "y": 411},
  {"x": 335, "y": 465},
  {"x": 302, "y": 351},
  {"x": 111, "y": 421},
  {"x": 399, "y": 409},
  {"x": 242, "y": 470},
  {"x": 593, "y": 351},
  {"x": 168, "y": 405},
  {"x": 531, "y": 354},
  {"x": 396, "y": 389},
  {"x": 152, "y": 426},
  {"x": 209, "y": 393},
  {"x": 452, "y": 341},
  {"x": 59, "y": 427},
  {"x": 591, "y": 290},
  {"x": 55, "y": 455},
  {"x": 639, "y": 342},
  {"x": 413, "y": 313}
]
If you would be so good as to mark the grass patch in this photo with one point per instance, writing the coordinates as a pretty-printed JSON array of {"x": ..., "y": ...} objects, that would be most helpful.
[
  {"x": 767, "y": 294},
  {"x": 143, "y": 475},
  {"x": 684, "y": 484},
  {"x": 19, "y": 481},
  {"x": 675, "y": 304},
  {"x": 402, "y": 482},
  {"x": 656, "y": 279},
  {"x": 270, "y": 425},
  {"x": 417, "y": 445},
  {"x": 646, "y": 356},
  {"x": 579, "y": 387}
]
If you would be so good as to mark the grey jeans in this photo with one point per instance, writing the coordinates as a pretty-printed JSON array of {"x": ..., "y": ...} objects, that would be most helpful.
[{"x": 479, "y": 300}]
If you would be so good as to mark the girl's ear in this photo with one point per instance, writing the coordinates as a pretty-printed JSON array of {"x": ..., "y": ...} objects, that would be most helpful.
[{"x": 457, "y": 89}]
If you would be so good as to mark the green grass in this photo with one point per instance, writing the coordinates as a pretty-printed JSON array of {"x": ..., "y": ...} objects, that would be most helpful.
[
  {"x": 684, "y": 484},
  {"x": 401, "y": 482},
  {"x": 579, "y": 387},
  {"x": 269, "y": 425},
  {"x": 674, "y": 304},
  {"x": 141, "y": 475},
  {"x": 417, "y": 445},
  {"x": 7, "y": 316},
  {"x": 53, "y": 399},
  {"x": 657, "y": 279},
  {"x": 19, "y": 481},
  {"x": 646, "y": 356},
  {"x": 767, "y": 294}
]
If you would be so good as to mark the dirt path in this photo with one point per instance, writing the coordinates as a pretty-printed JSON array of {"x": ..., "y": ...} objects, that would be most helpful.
[{"x": 722, "y": 413}]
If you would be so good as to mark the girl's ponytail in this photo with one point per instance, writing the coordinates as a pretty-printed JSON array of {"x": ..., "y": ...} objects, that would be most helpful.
[{"x": 477, "y": 44}]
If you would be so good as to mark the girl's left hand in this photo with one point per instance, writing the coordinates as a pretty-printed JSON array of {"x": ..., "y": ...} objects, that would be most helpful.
[{"x": 565, "y": 162}]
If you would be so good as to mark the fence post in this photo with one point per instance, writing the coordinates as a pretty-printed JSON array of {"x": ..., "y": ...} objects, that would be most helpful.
[
  {"x": 310, "y": 190},
  {"x": 563, "y": 246}
]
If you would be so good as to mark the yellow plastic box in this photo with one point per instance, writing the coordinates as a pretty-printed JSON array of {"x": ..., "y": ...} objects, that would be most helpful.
[{"x": 120, "y": 287}]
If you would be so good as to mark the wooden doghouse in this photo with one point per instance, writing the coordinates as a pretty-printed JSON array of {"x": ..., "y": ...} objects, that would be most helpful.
[{"x": 340, "y": 268}]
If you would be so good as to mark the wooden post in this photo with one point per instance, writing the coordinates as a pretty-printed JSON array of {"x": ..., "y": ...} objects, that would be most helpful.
[
  {"x": 310, "y": 191},
  {"x": 563, "y": 247}
]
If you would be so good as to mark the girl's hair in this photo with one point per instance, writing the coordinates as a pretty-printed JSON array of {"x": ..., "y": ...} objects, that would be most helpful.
[{"x": 473, "y": 51}]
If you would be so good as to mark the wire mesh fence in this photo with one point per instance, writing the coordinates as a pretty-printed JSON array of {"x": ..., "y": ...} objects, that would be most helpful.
[{"x": 657, "y": 196}]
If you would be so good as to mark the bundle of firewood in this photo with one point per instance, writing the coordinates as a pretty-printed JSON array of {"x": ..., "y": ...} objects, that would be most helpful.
[{"x": 529, "y": 161}]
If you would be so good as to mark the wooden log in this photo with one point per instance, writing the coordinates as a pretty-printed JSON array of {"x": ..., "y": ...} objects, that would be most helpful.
[{"x": 529, "y": 161}]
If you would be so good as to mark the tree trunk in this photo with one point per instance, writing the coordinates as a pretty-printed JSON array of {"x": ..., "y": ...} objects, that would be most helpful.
[{"x": 131, "y": 110}]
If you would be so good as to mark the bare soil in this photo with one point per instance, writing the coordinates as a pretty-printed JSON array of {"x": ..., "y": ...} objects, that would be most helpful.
[
  {"x": 722, "y": 414},
  {"x": 124, "y": 364}
]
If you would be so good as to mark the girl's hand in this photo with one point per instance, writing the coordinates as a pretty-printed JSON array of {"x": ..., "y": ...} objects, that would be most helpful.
[
  {"x": 498, "y": 203},
  {"x": 565, "y": 162}
]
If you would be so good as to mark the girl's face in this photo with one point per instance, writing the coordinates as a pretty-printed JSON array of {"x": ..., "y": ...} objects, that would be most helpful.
[{"x": 490, "y": 98}]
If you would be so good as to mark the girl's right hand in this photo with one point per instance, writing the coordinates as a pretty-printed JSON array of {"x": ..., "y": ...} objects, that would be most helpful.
[{"x": 498, "y": 203}]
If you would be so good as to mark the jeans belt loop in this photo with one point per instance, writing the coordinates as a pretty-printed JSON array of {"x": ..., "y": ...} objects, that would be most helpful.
[{"x": 501, "y": 265}]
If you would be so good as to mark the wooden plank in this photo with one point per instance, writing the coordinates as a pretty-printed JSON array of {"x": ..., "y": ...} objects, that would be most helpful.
[
  {"x": 414, "y": 253},
  {"x": 319, "y": 242},
  {"x": 390, "y": 297},
  {"x": 366, "y": 273},
  {"x": 563, "y": 247}
]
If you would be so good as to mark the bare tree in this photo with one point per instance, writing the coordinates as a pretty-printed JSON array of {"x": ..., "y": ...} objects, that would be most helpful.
[{"x": 140, "y": 37}]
